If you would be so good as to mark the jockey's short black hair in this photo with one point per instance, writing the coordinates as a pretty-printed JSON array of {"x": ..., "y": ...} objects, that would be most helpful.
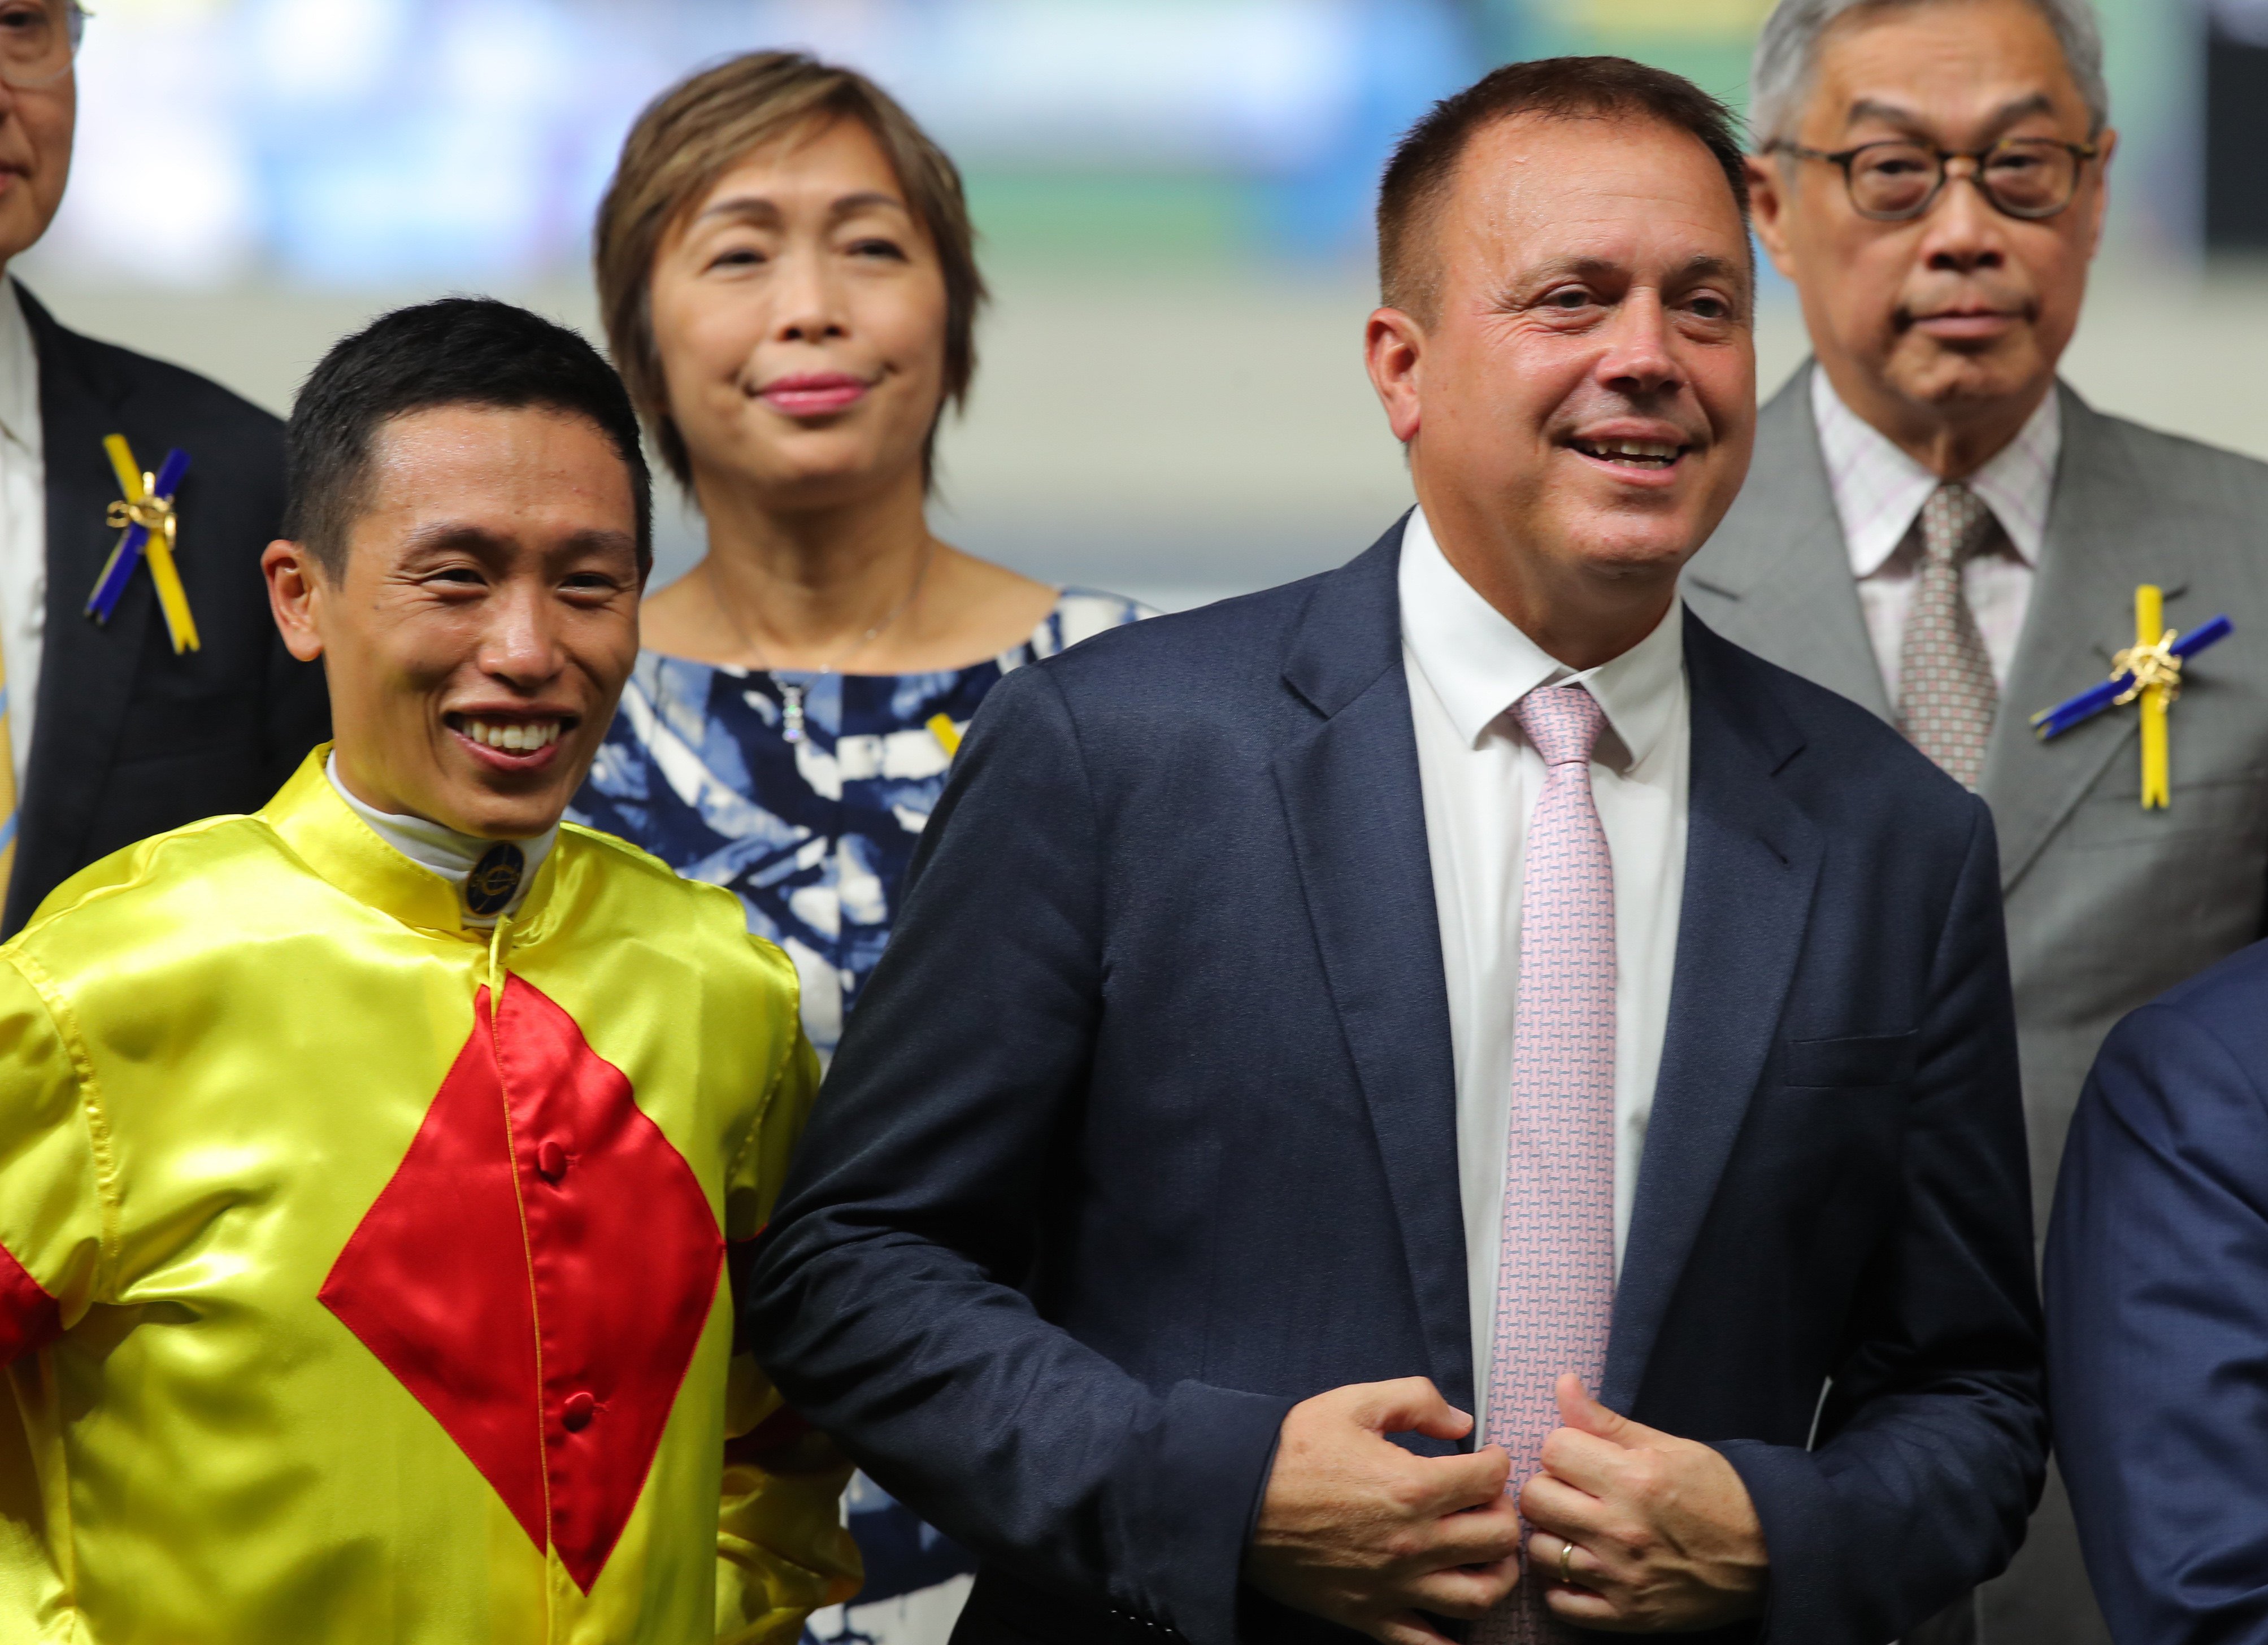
[{"x": 459, "y": 351}]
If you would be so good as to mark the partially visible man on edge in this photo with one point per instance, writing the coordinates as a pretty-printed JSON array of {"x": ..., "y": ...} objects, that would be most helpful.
[
  {"x": 1940, "y": 533},
  {"x": 366, "y": 1164},
  {"x": 114, "y": 726},
  {"x": 2156, "y": 1276},
  {"x": 1416, "y": 971}
]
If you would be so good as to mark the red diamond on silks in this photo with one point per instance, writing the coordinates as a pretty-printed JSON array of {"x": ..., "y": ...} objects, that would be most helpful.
[{"x": 615, "y": 1275}]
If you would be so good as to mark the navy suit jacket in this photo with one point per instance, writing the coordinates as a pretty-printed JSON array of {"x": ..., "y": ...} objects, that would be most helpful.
[
  {"x": 1145, "y": 1129},
  {"x": 131, "y": 739},
  {"x": 2157, "y": 1280}
]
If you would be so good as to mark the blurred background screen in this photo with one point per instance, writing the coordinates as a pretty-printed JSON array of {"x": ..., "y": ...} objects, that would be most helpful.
[{"x": 1173, "y": 197}]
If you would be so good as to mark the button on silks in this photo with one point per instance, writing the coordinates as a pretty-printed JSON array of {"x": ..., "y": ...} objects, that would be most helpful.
[
  {"x": 550, "y": 1162},
  {"x": 575, "y": 1415},
  {"x": 495, "y": 879}
]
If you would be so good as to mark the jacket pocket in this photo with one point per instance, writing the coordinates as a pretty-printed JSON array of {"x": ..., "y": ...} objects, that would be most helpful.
[
  {"x": 2226, "y": 808},
  {"x": 1849, "y": 1061}
]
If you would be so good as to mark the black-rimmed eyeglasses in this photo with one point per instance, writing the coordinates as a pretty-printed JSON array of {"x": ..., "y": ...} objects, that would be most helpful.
[
  {"x": 38, "y": 41},
  {"x": 1898, "y": 180}
]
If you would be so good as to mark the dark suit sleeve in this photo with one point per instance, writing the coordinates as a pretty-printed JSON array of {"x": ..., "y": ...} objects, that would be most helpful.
[
  {"x": 1932, "y": 1442},
  {"x": 891, "y": 1299},
  {"x": 2157, "y": 1280}
]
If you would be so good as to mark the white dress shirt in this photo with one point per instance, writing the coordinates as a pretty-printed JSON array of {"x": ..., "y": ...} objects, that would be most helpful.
[
  {"x": 23, "y": 524},
  {"x": 1468, "y": 666},
  {"x": 1879, "y": 491}
]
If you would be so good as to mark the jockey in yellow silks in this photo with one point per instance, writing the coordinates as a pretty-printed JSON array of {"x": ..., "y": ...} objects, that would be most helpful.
[{"x": 370, "y": 1166}]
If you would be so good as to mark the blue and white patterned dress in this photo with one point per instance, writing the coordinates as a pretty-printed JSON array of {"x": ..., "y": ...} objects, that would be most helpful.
[{"x": 815, "y": 836}]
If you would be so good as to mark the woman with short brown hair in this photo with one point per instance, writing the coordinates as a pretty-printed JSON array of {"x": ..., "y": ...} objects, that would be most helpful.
[
  {"x": 688, "y": 141},
  {"x": 787, "y": 273}
]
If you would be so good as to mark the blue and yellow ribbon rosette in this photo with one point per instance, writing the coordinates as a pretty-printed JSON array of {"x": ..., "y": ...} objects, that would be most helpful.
[
  {"x": 2149, "y": 672},
  {"x": 149, "y": 529}
]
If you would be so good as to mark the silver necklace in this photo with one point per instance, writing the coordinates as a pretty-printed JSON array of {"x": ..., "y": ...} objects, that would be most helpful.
[{"x": 792, "y": 692}]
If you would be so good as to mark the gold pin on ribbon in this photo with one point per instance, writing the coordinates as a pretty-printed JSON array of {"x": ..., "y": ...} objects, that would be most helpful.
[
  {"x": 149, "y": 528},
  {"x": 2148, "y": 671},
  {"x": 2156, "y": 673}
]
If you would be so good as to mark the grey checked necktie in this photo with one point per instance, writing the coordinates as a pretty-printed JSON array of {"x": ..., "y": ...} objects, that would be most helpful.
[{"x": 1946, "y": 695}]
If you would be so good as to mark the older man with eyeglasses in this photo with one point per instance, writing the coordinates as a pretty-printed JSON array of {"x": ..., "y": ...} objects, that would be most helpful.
[
  {"x": 1937, "y": 528},
  {"x": 144, "y": 684}
]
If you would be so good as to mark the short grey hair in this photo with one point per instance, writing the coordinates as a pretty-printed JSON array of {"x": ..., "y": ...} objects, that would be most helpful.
[{"x": 1788, "y": 57}]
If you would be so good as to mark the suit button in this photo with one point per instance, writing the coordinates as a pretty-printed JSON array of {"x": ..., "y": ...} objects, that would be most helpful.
[
  {"x": 551, "y": 1162},
  {"x": 576, "y": 1414}
]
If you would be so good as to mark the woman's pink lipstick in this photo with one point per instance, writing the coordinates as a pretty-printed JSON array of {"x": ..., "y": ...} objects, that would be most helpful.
[{"x": 814, "y": 393}]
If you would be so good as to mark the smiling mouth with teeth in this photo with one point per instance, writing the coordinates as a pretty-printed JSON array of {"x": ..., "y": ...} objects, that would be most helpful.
[
  {"x": 512, "y": 737},
  {"x": 1637, "y": 453}
]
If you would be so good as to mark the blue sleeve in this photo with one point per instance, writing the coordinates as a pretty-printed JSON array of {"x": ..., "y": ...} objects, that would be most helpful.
[
  {"x": 888, "y": 1300},
  {"x": 2157, "y": 1284},
  {"x": 1931, "y": 1440}
]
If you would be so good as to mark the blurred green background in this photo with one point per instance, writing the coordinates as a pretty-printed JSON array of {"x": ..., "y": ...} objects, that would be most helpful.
[{"x": 1173, "y": 195}]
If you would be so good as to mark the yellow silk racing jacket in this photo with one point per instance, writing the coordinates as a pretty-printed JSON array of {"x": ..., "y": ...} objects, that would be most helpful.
[{"x": 363, "y": 1276}]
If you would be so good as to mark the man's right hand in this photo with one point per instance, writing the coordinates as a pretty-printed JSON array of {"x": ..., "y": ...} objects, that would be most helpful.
[{"x": 1357, "y": 1529}]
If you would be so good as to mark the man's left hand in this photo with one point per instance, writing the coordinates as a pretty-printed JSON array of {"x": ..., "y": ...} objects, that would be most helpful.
[{"x": 1660, "y": 1533}]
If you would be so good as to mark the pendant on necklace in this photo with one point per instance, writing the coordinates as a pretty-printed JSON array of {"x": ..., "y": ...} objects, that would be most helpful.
[{"x": 790, "y": 711}]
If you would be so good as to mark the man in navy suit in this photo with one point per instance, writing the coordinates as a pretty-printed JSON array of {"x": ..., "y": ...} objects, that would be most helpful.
[
  {"x": 2158, "y": 1314},
  {"x": 1332, "y": 1032},
  {"x": 108, "y": 733}
]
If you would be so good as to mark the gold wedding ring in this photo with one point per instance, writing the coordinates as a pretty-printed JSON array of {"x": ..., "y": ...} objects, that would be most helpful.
[{"x": 1567, "y": 1553}]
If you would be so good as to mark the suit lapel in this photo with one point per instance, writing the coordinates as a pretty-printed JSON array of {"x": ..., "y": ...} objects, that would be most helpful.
[
  {"x": 1351, "y": 796},
  {"x": 1780, "y": 554},
  {"x": 2102, "y": 539},
  {"x": 86, "y": 670},
  {"x": 1751, "y": 864}
]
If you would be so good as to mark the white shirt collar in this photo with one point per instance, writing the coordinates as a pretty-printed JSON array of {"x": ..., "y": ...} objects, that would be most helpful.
[
  {"x": 1879, "y": 488},
  {"x": 19, "y": 373},
  {"x": 442, "y": 849},
  {"x": 1480, "y": 664}
]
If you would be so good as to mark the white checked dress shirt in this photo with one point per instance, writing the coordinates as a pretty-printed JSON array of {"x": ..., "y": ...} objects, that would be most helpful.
[
  {"x": 1879, "y": 491},
  {"x": 1466, "y": 667},
  {"x": 23, "y": 523}
]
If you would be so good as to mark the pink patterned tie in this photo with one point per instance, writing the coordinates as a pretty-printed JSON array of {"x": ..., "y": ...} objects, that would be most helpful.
[{"x": 1555, "y": 1284}]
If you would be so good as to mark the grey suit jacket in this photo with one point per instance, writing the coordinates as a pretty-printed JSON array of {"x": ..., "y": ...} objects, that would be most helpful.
[{"x": 2107, "y": 905}]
